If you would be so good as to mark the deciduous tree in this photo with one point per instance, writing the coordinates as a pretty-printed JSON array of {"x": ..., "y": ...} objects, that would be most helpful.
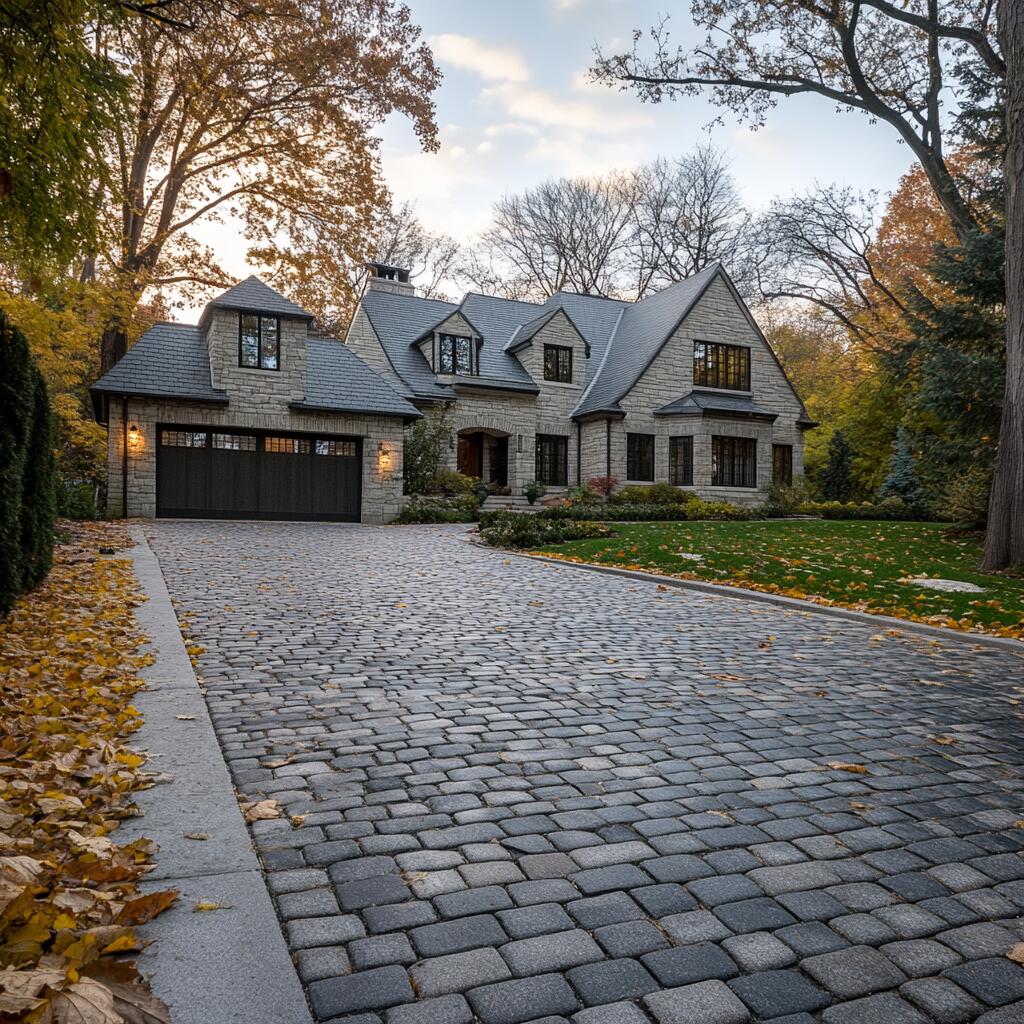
[{"x": 264, "y": 114}]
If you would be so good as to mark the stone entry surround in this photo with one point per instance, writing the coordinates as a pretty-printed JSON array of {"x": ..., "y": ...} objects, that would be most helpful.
[{"x": 529, "y": 792}]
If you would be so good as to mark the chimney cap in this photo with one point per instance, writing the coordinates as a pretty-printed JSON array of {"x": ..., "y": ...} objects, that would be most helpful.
[{"x": 388, "y": 273}]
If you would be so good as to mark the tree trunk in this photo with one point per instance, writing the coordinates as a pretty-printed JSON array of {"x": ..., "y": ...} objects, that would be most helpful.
[{"x": 1004, "y": 542}]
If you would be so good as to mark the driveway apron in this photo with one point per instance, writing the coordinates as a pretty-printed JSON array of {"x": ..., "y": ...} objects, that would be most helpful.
[{"x": 513, "y": 791}]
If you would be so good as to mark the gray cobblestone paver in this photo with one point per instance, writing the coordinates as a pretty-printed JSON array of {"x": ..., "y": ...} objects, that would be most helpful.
[{"x": 513, "y": 791}]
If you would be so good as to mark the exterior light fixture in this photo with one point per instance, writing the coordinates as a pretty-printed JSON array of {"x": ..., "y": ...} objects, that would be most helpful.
[
  {"x": 519, "y": 443},
  {"x": 385, "y": 457},
  {"x": 134, "y": 436}
]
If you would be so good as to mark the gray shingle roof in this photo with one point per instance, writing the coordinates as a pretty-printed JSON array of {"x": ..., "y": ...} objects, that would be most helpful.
[
  {"x": 253, "y": 296},
  {"x": 703, "y": 403},
  {"x": 168, "y": 361},
  {"x": 397, "y": 320},
  {"x": 171, "y": 361},
  {"x": 643, "y": 330},
  {"x": 336, "y": 378}
]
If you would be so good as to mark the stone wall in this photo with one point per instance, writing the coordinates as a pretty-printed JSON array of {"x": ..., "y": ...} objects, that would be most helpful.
[
  {"x": 363, "y": 340},
  {"x": 381, "y": 491},
  {"x": 716, "y": 317}
]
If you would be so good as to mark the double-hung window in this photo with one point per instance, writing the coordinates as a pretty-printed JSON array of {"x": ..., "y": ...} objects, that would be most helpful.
[
  {"x": 721, "y": 366},
  {"x": 455, "y": 354},
  {"x": 640, "y": 457},
  {"x": 558, "y": 363},
  {"x": 259, "y": 342},
  {"x": 680, "y": 461},
  {"x": 552, "y": 464},
  {"x": 733, "y": 462}
]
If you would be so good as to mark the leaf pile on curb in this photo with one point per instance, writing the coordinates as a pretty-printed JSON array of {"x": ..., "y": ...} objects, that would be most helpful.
[{"x": 69, "y": 895}]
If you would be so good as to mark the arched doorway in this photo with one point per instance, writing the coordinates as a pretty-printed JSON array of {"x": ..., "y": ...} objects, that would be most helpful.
[{"x": 483, "y": 453}]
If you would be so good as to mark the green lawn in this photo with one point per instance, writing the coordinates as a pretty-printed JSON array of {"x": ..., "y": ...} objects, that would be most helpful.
[{"x": 855, "y": 564}]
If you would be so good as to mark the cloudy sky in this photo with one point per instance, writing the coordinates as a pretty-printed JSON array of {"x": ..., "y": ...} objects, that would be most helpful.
[{"x": 516, "y": 107}]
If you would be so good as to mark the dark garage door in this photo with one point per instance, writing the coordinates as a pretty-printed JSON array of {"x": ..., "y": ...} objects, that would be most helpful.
[{"x": 218, "y": 473}]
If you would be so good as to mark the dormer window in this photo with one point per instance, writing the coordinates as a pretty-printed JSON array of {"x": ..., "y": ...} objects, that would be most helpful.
[
  {"x": 721, "y": 366},
  {"x": 558, "y": 363},
  {"x": 455, "y": 354},
  {"x": 259, "y": 342}
]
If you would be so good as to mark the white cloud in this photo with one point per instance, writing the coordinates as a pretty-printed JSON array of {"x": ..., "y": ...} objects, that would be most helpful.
[
  {"x": 492, "y": 63},
  {"x": 543, "y": 107}
]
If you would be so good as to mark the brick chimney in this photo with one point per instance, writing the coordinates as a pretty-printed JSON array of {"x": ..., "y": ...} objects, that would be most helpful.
[{"x": 383, "y": 278}]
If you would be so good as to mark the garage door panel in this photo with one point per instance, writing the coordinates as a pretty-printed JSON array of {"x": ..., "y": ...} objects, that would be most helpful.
[
  {"x": 287, "y": 476},
  {"x": 337, "y": 472},
  {"x": 219, "y": 473}
]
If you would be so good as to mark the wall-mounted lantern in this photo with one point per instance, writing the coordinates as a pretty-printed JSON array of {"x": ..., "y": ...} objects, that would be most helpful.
[
  {"x": 519, "y": 443},
  {"x": 134, "y": 437},
  {"x": 385, "y": 457}
]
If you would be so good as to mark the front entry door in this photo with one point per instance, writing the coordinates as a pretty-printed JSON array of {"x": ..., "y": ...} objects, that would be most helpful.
[{"x": 471, "y": 454}]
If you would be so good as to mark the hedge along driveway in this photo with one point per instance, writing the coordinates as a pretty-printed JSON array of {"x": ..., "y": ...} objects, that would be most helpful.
[{"x": 861, "y": 565}]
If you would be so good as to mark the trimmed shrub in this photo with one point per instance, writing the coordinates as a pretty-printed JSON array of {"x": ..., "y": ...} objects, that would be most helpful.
[
  {"x": 39, "y": 499},
  {"x": 26, "y": 469},
  {"x": 522, "y": 530},
  {"x": 892, "y": 508},
  {"x": 650, "y": 494},
  {"x": 613, "y": 512},
  {"x": 450, "y": 482},
  {"x": 461, "y": 509}
]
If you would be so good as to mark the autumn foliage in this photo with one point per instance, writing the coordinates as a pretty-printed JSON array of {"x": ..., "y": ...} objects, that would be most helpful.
[{"x": 69, "y": 895}]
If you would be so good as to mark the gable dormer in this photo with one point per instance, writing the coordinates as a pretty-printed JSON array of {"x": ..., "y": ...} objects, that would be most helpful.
[
  {"x": 256, "y": 339},
  {"x": 552, "y": 349},
  {"x": 452, "y": 346}
]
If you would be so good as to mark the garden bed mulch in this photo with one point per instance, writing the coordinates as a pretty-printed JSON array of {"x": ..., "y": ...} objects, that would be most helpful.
[{"x": 69, "y": 893}]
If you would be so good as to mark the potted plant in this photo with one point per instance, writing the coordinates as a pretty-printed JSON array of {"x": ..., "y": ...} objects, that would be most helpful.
[{"x": 534, "y": 490}]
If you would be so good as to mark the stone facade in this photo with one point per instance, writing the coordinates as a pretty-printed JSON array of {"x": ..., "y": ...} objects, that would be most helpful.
[
  {"x": 597, "y": 445},
  {"x": 256, "y": 400}
]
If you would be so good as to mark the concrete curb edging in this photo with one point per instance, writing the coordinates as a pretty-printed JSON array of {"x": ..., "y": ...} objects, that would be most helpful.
[
  {"x": 225, "y": 966},
  {"x": 789, "y": 603}
]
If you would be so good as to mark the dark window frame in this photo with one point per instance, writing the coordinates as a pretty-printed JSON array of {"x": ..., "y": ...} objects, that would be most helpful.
[
  {"x": 561, "y": 372},
  {"x": 551, "y": 459},
  {"x": 721, "y": 366},
  {"x": 260, "y": 354},
  {"x": 452, "y": 341},
  {"x": 680, "y": 460},
  {"x": 637, "y": 459},
  {"x": 733, "y": 462},
  {"x": 782, "y": 464}
]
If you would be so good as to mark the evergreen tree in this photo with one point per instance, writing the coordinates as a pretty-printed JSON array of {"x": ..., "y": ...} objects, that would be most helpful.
[
  {"x": 15, "y": 424},
  {"x": 836, "y": 479},
  {"x": 901, "y": 481},
  {"x": 39, "y": 502}
]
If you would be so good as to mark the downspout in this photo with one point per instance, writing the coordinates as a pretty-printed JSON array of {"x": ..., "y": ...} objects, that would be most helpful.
[
  {"x": 608, "y": 448},
  {"x": 124, "y": 456},
  {"x": 579, "y": 454}
]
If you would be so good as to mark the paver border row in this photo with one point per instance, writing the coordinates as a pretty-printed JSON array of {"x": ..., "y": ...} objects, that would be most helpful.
[{"x": 780, "y": 600}]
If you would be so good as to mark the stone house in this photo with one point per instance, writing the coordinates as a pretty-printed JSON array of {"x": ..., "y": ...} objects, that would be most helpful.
[
  {"x": 248, "y": 414},
  {"x": 681, "y": 387}
]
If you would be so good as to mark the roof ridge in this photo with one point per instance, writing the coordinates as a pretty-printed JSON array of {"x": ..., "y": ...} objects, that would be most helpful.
[
  {"x": 587, "y": 295},
  {"x": 501, "y": 298}
]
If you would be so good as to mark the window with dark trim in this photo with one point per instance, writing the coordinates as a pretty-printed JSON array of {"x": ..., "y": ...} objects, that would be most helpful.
[
  {"x": 455, "y": 354},
  {"x": 733, "y": 462},
  {"x": 235, "y": 442},
  {"x": 782, "y": 464},
  {"x": 721, "y": 366},
  {"x": 259, "y": 342},
  {"x": 558, "y": 363},
  {"x": 552, "y": 463},
  {"x": 640, "y": 457},
  {"x": 183, "y": 438},
  {"x": 680, "y": 461},
  {"x": 347, "y": 448},
  {"x": 286, "y": 445}
]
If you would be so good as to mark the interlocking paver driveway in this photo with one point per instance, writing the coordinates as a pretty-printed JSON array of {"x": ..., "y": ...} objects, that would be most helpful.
[{"x": 522, "y": 792}]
